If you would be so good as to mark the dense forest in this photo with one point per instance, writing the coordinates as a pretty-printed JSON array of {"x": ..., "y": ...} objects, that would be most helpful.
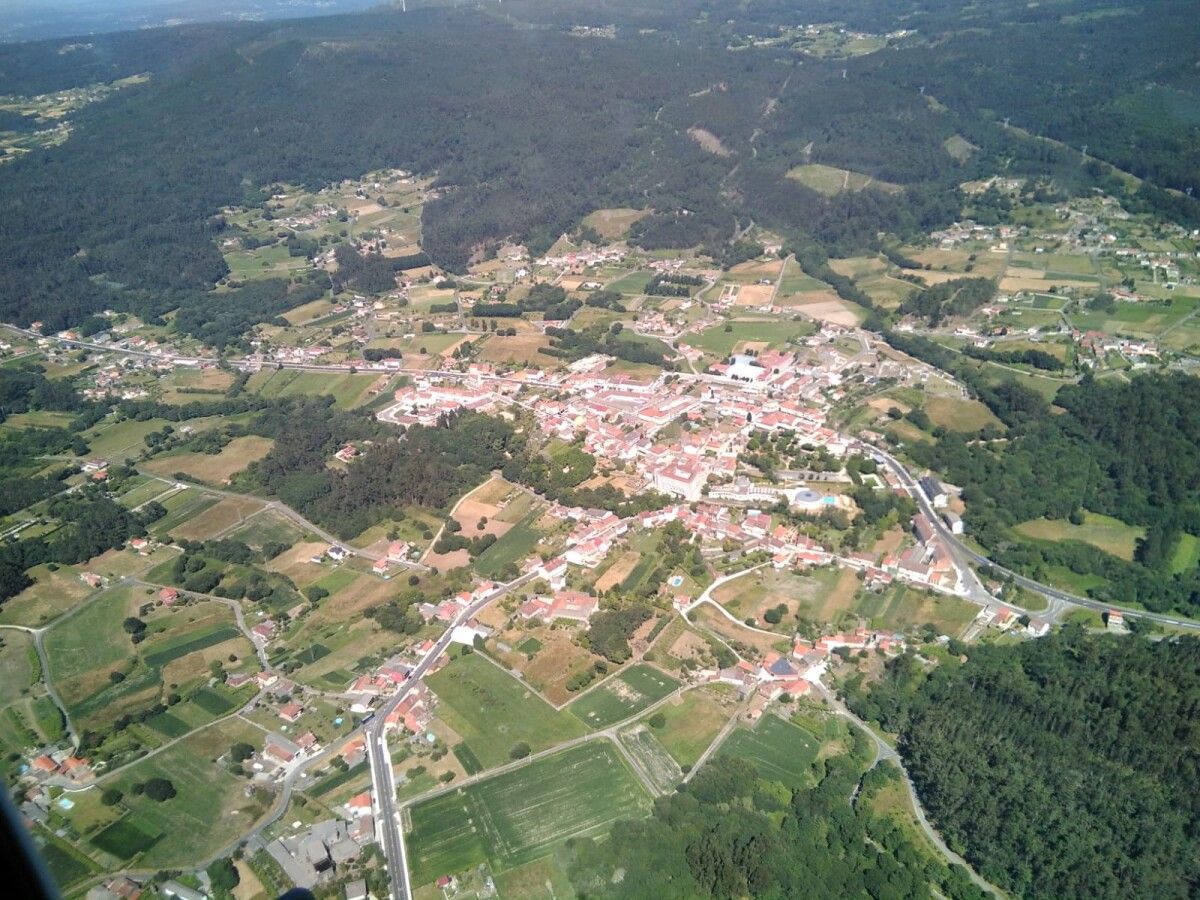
[
  {"x": 1062, "y": 767},
  {"x": 532, "y": 128},
  {"x": 1127, "y": 449},
  {"x": 734, "y": 832}
]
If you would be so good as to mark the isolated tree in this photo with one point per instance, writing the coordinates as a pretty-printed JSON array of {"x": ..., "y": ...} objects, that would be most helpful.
[
  {"x": 159, "y": 789},
  {"x": 519, "y": 750},
  {"x": 224, "y": 875}
]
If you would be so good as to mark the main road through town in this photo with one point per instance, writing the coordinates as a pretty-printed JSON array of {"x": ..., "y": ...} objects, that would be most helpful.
[
  {"x": 1059, "y": 601},
  {"x": 388, "y": 827}
]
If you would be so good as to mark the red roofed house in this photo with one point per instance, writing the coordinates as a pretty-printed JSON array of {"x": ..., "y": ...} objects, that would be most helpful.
[
  {"x": 291, "y": 712},
  {"x": 359, "y": 804}
]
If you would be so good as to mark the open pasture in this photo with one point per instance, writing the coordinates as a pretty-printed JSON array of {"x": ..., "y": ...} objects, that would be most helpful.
[
  {"x": 775, "y": 333},
  {"x": 692, "y": 723},
  {"x": 227, "y": 513},
  {"x": 1104, "y": 532},
  {"x": 214, "y": 468},
  {"x": 830, "y": 180},
  {"x": 210, "y": 809},
  {"x": 623, "y": 696},
  {"x": 519, "y": 816},
  {"x": 779, "y": 750},
  {"x": 493, "y": 711},
  {"x": 613, "y": 224}
]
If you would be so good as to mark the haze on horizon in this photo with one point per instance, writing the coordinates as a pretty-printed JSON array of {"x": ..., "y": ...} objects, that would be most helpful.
[{"x": 30, "y": 20}]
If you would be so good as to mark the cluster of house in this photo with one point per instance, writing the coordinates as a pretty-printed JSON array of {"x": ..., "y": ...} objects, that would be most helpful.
[
  {"x": 1003, "y": 618},
  {"x": 572, "y": 606},
  {"x": 52, "y": 769},
  {"x": 578, "y": 260},
  {"x": 796, "y": 672}
]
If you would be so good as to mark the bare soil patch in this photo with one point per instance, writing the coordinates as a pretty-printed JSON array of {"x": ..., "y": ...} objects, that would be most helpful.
[
  {"x": 709, "y": 141},
  {"x": 618, "y": 571}
]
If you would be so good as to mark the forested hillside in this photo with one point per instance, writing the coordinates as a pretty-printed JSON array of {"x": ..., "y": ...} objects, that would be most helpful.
[
  {"x": 532, "y": 127},
  {"x": 1061, "y": 767},
  {"x": 1127, "y": 449},
  {"x": 733, "y": 833}
]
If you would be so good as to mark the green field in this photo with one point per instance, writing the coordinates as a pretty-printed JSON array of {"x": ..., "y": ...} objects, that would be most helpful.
[
  {"x": 774, "y": 332},
  {"x": 210, "y": 809},
  {"x": 779, "y": 750},
  {"x": 346, "y": 389},
  {"x": 66, "y": 865},
  {"x": 516, "y": 544},
  {"x": 632, "y": 284},
  {"x": 1104, "y": 532},
  {"x": 902, "y": 607},
  {"x": 125, "y": 839},
  {"x": 470, "y": 763},
  {"x": 119, "y": 440},
  {"x": 1186, "y": 555},
  {"x": 164, "y": 652},
  {"x": 517, "y": 817},
  {"x": 830, "y": 181},
  {"x": 691, "y": 726},
  {"x": 180, "y": 507},
  {"x": 268, "y": 527},
  {"x": 91, "y": 639},
  {"x": 492, "y": 711},
  {"x": 19, "y": 667},
  {"x": 623, "y": 696}
]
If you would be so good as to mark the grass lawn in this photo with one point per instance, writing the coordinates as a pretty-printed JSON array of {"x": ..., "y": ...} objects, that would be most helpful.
[
  {"x": 780, "y": 751},
  {"x": 634, "y": 283},
  {"x": 901, "y": 607},
  {"x": 19, "y": 667},
  {"x": 957, "y": 414},
  {"x": 516, "y": 818},
  {"x": 1187, "y": 554},
  {"x": 51, "y": 594},
  {"x": 623, "y": 696},
  {"x": 773, "y": 332},
  {"x": 692, "y": 724},
  {"x": 214, "y": 468},
  {"x": 1104, "y": 532},
  {"x": 210, "y": 809},
  {"x": 493, "y": 711},
  {"x": 513, "y": 546}
]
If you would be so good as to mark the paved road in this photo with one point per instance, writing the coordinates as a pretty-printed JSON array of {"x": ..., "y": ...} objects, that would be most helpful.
[
  {"x": 884, "y": 751},
  {"x": 1058, "y": 601},
  {"x": 388, "y": 827}
]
